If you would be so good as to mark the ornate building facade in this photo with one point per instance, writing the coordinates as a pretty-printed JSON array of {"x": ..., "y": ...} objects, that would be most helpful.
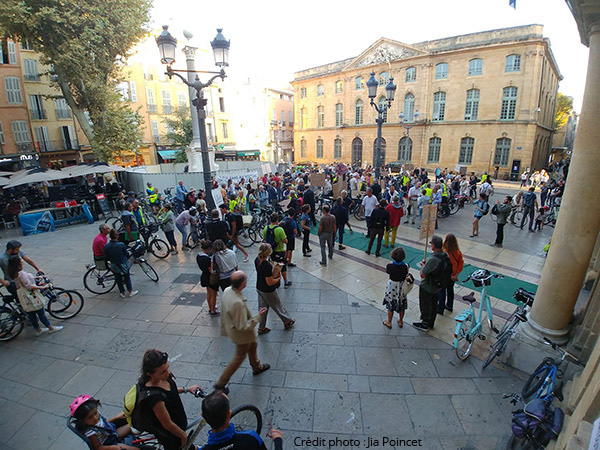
[{"x": 475, "y": 100}]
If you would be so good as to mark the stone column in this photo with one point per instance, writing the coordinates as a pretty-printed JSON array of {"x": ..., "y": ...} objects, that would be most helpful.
[{"x": 578, "y": 222}]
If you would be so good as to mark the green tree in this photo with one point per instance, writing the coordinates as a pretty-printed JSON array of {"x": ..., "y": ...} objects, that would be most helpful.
[
  {"x": 564, "y": 107},
  {"x": 86, "y": 43},
  {"x": 179, "y": 131}
]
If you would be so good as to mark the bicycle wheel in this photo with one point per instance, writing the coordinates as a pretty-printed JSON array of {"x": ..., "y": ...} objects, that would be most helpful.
[
  {"x": 99, "y": 282},
  {"x": 247, "y": 418},
  {"x": 497, "y": 348},
  {"x": 65, "y": 304},
  {"x": 193, "y": 239},
  {"x": 516, "y": 220},
  {"x": 149, "y": 271},
  {"x": 358, "y": 215},
  {"x": 114, "y": 222},
  {"x": 246, "y": 237},
  {"x": 159, "y": 248},
  {"x": 465, "y": 341},
  {"x": 11, "y": 324},
  {"x": 453, "y": 207},
  {"x": 494, "y": 217},
  {"x": 536, "y": 379}
]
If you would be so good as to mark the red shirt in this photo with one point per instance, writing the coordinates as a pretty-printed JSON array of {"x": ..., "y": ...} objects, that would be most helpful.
[
  {"x": 395, "y": 214},
  {"x": 98, "y": 246}
]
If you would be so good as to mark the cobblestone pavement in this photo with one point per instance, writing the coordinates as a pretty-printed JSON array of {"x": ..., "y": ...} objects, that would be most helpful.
[{"x": 338, "y": 374}]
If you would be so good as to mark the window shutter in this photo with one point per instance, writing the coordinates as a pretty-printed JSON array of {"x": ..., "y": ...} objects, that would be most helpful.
[
  {"x": 12, "y": 53},
  {"x": 132, "y": 91}
]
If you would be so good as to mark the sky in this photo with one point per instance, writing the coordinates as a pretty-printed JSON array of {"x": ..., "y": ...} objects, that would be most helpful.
[{"x": 270, "y": 40}]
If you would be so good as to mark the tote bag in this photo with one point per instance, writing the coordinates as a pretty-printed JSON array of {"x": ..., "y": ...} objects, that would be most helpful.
[{"x": 31, "y": 300}]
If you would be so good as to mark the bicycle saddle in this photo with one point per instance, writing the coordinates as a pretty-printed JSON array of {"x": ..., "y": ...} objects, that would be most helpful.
[
  {"x": 470, "y": 298},
  {"x": 524, "y": 296}
]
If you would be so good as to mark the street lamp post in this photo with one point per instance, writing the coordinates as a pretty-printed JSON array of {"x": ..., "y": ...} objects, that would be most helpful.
[
  {"x": 406, "y": 125},
  {"x": 390, "y": 90},
  {"x": 167, "y": 45}
]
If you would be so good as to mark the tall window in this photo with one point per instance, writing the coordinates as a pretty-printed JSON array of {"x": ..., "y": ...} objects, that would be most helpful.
[
  {"x": 409, "y": 108},
  {"x": 222, "y": 105},
  {"x": 475, "y": 67},
  {"x": 337, "y": 149},
  {"x": 441, "y": 71},
  {"x": 8, "y": 52},
  {"x": 339, "y": 87},
  {"x": 472, "y": 104},
  {"x": 339, "y": 115},
  {"x": 320, "y": 90},
  {"x": 502, "y": 152},
  {"x": 358, "y": 83},
  {"x": 320, "y": 117},
  {"x": 43, "y": 139},
  {"x": 13, "y": 90},
  {"x": 466, "y": 150},
  {"x": 411, "y": 74},
  {"x": 36, "y": 106},
  {"x": 439, "y": 106},
  {"x": 513, "y": 63},
  {"x": 30, "y": 70},
  {"x": 303, "y": 118},
  {"x": 405, "y": 149},
  {"x": 381, "y": 150},
  {"x": 2, "y": 141},
  {"x": 384, "y": 77},
  {"x": 509, "y": 103},
  {"x": 282, "y": 117},
  {"x": 358, "y": 112},
  {"x": 291, "y": 116},
  {"x": 382, "y": 103},
  {"x": 21, "y": 134},
  {"x": 155, "y": 132},
  {"x": 166, "y": 100},
  {"x": 151, "y": 102},
  {"x": 303, "y": 92},
  {"x": 302, "y": 148},
  {"x": 435, "y": 145},
  {"x": 132, "y": 91},
  {"x": 181, "y": 99},
  {"x": 319, "y": 148},
  {"x": 225, "y": 131},
  {"x": 357, "y": 147}
]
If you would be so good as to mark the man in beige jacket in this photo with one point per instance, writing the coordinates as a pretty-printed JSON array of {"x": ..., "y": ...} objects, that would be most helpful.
[{"x": 238, "y": 323}]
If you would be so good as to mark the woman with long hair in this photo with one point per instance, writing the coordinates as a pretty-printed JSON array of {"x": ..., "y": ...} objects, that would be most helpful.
[
  {"x": 446, "y": 298},
  {"x": 226, "y": 262},
  {"x": 205, "y": 263}
]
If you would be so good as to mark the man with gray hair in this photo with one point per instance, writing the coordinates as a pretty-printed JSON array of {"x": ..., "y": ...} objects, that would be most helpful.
[
  {"x": 239, "y": 324},
  {"x": 429, "y": 289}
]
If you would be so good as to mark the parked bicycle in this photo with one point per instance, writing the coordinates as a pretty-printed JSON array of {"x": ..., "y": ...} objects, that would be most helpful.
[
  {"x": 469, "y": 327},
  {"x": 525, "y": 300},
  {"x": 99, "y": 279},
  {"x": 62, "y": 304}
]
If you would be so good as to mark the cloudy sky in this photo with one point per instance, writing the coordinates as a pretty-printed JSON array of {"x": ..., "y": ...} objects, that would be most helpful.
[{"x": 273, "y": 39}]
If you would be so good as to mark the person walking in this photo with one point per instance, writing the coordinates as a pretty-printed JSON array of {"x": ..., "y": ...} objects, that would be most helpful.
[
  {"x": 340, "y": 213},
  {"x": 529, "y": 205},
  {"x": 225, "y": 261},
  {"x": 413, "y": 198},
  {"x": 326, "y": 232},
  {"x": 396, "y": 211},
  {"x": 395, "y": 297},
  {"x": 205, "y": 264},
  {"x": 380, "y": 220},
  {"x": 481, "y": 209},
  {"x": 117, "y": 257},
  {"x": 182, "y": 221},
  {"x": 180, "y": 193},
  {"x": 305, "y": 224},
  {"x": 504, "y": 211},
  {"x": 238, "y": 323},
  {"x": 274, "y": 235},
  {"x": 166, "y": 218},
  {"x": 446, "y": 296},
  {"x": 429, "y": 290},
  {"x": 267, "y": 282},
  {"x": 369, "y": 203}
]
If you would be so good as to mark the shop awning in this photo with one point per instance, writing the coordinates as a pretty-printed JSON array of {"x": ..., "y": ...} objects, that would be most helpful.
[
  {"x": 168, "y": 154},
  {"x": 249, "y": 153}
]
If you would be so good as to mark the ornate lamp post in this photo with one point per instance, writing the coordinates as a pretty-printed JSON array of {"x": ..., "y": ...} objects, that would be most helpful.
[
  {"x": 406, "y": 125},
  {"x": 167, "y": 45},
  {"x": 390, "y": 91}
]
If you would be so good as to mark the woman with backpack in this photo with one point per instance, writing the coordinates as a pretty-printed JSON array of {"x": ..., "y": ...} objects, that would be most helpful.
[
  {"x": 446, "y": 298},
  {"x": 481, "y": 209},
  {"x": 225, "y": 262}
]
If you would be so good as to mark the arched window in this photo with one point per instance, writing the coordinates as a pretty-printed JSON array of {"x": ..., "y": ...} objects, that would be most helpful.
[
  {"x": 384, "y": 77},
  {"x": 339, "y": 115},
  {"x": 357, "y": 149},
  {"x": 320, "y": 117},
  {"x": 405, "y": 149},
  {"x": 319, "y": 148},
  {"x": 472, "y": 104},
  {"x": 441, "y": 71},
  {"x": 435, "y": 145},
  {"x": 475, "y": 67},
  {"x": 513, "y": 63},
  {"x": 409, "y": 108},
  {"x": 502, "y": 152},
  {"x": 411, "y": 74},
  {"x": 381, "y": 150},
  {"x": 509, "y": 103},
  {"x": 358, "y": 112},
  {"x": 382, "y": 107},
  {"x": 302, "y": 148},
  {"x": 466, "y": 150},
  {"x": 439, "y": 106},
  {"x": 337, "y": 149},
  {"x": 339, "y": 86}
]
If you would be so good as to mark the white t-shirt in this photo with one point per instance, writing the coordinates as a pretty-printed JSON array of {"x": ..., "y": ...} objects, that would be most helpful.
[
  {"x": 353, "y": 184},
  {"x": 369, "y": 203},
  {"x": 413, "y": 193}
]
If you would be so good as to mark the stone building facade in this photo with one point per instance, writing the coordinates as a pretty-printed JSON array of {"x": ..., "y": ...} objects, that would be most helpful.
[{"x": 482, "y": 99}]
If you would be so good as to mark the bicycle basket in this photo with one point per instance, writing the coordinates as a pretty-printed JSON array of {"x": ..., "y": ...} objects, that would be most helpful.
[
  {"x": 153, "y": 228},
  {"x": 138, "y": 249},
  {"x": 481, "y": 277}
]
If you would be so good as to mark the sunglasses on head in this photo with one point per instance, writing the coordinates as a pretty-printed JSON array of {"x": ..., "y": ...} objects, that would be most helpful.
[{"x": 160, "y": 359}]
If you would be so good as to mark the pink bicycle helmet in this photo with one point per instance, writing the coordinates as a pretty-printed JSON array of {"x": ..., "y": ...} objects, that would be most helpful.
[{"x": 80, "y": 400}]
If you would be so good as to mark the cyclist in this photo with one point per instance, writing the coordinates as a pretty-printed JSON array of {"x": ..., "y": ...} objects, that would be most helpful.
[
  {"x": 217, "y": 413},
  {"x": 13, "y": 248},
  {"x": 152, "y": 196}
]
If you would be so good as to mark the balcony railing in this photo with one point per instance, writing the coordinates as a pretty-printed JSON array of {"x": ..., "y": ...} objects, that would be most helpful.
[
  {"x": 54, "y": 146},
  {"x": 62, "y": 113},
  {"x": 32, "y": 77},
  {"x": 38, "y": 114},
  {"x": 167, "y": 109},
  {"x": 151, "y": 108},
  {"x": 24, "y": 147}
]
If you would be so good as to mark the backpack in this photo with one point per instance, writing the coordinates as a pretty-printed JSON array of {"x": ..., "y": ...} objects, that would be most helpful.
[
  {"x": 442, "y": 277},
  {"x": 287, "y": 227},
  {"x": 486, "y": 208},
  {"x": 495, "y": 210},
  {"x": 131, "y": 402},
  {"x": 537, "y": 419},
  {"x": 270, "y": 235}
]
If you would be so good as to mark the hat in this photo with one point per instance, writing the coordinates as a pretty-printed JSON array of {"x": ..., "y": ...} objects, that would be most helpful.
[
  {"x": 80, "y": 400},
  {"x": 436, "y": 241}
]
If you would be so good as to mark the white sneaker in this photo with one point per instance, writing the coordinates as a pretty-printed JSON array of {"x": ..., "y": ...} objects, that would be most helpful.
[
  {"x": 132, "y": 293},
  {"x": 246, "y": 259},
  {"x": 123, "y": 295},
  {"x": 41, "y": 330},
  {"x": 55, "y": 329}
]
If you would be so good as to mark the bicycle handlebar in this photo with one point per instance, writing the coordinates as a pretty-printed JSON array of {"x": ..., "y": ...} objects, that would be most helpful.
[
  {"x": 565, "y": 353},
  {"x": 492, "y": 275}
]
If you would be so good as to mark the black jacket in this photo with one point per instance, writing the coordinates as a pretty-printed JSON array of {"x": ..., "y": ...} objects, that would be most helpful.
[
  {"x": 309, "y": 198},
  {"x": 380, "y": 218}
]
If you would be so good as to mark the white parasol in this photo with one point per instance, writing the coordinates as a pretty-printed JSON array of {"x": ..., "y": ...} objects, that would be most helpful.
[
  {"x": 4, "y": 181},
  {"x": 37, "y": 175}
]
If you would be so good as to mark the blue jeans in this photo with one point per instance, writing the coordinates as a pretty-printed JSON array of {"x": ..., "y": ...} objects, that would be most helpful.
[
  {"x": 184, "y": 233},
  {"x": 446, "y": 302},
  {"x": 41, "y": 314}
]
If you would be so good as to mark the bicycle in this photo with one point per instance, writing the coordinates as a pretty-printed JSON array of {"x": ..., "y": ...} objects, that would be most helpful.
[
  {"x": 525, "y": 301},
  {"x": 154, "y": 244},
  {"x": 197, "y": 234},
  {"x": 468, "y": 328},
  {"x": 99, "y": 279}
]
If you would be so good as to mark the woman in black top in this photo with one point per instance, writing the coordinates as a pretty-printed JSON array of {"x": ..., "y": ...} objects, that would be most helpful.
[
  {"x": 205, "y": 264},
  {"x": 395, "y": 290},
  {"x": 267, "y": 283},
  {"x": 162, "y": 409}
]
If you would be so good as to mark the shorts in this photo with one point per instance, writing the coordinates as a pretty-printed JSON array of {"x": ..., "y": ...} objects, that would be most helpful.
[
  {"x": 291, "y": 244},
  {"x": 280, "y": 258}
]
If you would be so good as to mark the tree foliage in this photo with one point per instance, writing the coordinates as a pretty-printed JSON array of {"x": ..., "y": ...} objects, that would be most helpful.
[
  {"x": 86, "y": 42},
  {"x": 564, "y": 106},
  {"x": 179, "y": 131}
]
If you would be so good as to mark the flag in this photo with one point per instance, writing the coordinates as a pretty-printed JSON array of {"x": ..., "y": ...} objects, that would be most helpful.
[{"x": 512, "y": 3}]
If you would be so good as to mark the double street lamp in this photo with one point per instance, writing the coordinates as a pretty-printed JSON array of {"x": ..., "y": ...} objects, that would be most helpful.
[
  {"x": 167, "y": 45},
  {"x": 390, "y": 91}
]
